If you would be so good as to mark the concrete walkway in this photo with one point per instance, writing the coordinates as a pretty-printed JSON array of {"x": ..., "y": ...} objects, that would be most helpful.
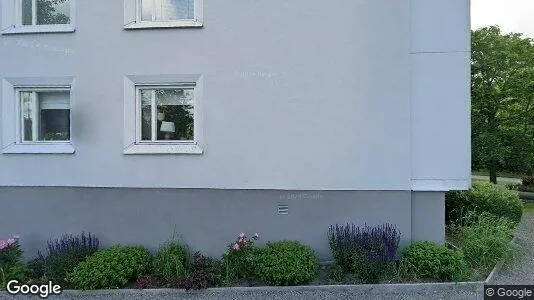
[{"x": 521, "y": 272}]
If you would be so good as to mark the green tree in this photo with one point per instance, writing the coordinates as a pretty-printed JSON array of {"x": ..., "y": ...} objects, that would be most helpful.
[{"x": 502, "y": 85}]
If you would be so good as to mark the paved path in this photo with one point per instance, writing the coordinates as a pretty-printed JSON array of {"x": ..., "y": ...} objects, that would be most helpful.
[
  {"x": 499, "y": 179},
  {"x": 521, "y": 272}
]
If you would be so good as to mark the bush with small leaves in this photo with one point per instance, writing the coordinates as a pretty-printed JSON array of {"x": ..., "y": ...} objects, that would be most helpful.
[
  {"x": 171, "y": 261},
  {"x": 287, "y": 263},
  {"x": 429, "y": 260},
  {"x": 487, "y": 197},
  {"x": 111, "y": 268}
]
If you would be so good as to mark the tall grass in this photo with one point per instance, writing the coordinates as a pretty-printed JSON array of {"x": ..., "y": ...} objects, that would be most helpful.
[{"x": 487, "y": 241}]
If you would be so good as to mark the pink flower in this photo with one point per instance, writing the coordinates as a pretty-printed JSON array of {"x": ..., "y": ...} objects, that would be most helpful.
[
  {"x": 10, "y": 242},
  {"x": 241, "y": 235},
  {"x": 3, "y": 244},
  {"x": 256, "y": 236},
  {"x": 16, "y": 236},
  {"x": 241, "y": 240},
  {"x": 235, "y": 247}
]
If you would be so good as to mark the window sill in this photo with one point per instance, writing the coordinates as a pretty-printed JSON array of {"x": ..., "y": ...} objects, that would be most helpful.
[
  {"x": 39, "y": 29},
  {"x": 170, "y": 24},
  {"x": 164, "y": 149},
  {"x": 39, "y": 149}
]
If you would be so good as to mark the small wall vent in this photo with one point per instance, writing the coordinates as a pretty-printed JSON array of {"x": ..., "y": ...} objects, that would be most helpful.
[{"x": 283, "y": 209}]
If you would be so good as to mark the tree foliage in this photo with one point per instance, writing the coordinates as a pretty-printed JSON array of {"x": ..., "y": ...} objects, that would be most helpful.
[{"x": 502, "y": 88}]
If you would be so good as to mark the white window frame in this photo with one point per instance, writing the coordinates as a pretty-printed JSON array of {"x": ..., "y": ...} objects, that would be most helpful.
[
  {"x": 12, "y": 141},
  {"x": 138, "y": 113},
  {"x": 15, "y": 8},
  {"x": 132, "y": 114},
  {"x": 133, "y": 20},
  {"x": 36, "y": 111}
]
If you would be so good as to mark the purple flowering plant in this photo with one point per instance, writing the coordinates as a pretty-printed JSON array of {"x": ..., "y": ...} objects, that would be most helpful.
[{"x": 367, "y": 251}]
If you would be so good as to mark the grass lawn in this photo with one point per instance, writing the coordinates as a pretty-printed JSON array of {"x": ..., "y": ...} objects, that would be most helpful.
[
  {"x": 499, "y": 174},
  {"x": 529, "y": 206},
  {"x": 474, "y": 180}
]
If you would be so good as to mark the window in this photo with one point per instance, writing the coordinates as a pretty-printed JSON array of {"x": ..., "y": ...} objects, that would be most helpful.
[
  {"x": 45, "y": 12},
  {"x": 166, "y": 114},
  {"x": 36, "y": 115},
  {"x": 167, "y": 10},
  {"x": 27, "y": 16},
  {"x": 163, "y": 114},
  {"x": 163, "y": 13},
  {"x": 44, "y": 115}
]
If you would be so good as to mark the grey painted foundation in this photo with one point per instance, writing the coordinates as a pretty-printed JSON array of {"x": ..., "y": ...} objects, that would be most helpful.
[{"x": 208, "y": 220}]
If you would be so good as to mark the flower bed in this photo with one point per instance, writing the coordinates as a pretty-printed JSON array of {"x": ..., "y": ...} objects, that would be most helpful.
[{"x": 478, "y": 237}]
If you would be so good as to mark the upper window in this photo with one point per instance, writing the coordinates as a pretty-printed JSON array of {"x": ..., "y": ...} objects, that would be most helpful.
[
  {"x": 27, "y": 16},
  {"x": 163, "y": 13},
  {"x": 44, "y": 115},
  {"x": 167, "y": 10},
  {"x": 45, "y": 12}
]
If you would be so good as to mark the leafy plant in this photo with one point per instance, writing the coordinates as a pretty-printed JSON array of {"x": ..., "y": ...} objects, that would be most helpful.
[
  {"x": 241, "y": 258},
  {"x": 205, "y": 273},
  {"x": 63, "y": 256},
  {"x": 336, "y": 272},
  {"x": 487, "y": 241},
  {"x": 11, "y": 265},
  {"x": 366, "y": 251},
  {"x": 111, "y": 268},
  {"x": 287, "y": 263},
  {"x": 171, "y": 261},
  {"x": 430, "y": 260},
  {"x": 483, "y": 197}
]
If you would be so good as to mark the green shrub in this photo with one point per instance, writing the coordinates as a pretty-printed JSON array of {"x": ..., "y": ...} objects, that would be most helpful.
[
  {"x": 487, "y": 241},
  {"x": 429, "y": 260},
  {"x": 241, "y": 258},
  {"x": 11, "y": 265},
  {"x": 63, "y": 256},
  {"x": 19, "y": 271},
  {"x": 111, "y": 268},
  {"x": 287, "y": 263},
  {"x": 171, "y": 261},
  {"x": 241, "y": 264},
  {"x": 483, "y": 197},
  {"x": 336, "y": 272}
]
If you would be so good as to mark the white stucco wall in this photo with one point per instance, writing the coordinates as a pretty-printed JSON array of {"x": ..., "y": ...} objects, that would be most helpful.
[
  {"x": 441, "y": 113},
  {"x": 296, "y": 95}
]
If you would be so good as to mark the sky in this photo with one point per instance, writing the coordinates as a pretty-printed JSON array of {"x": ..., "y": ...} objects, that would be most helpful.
[{"x": 510, "y": 15}]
